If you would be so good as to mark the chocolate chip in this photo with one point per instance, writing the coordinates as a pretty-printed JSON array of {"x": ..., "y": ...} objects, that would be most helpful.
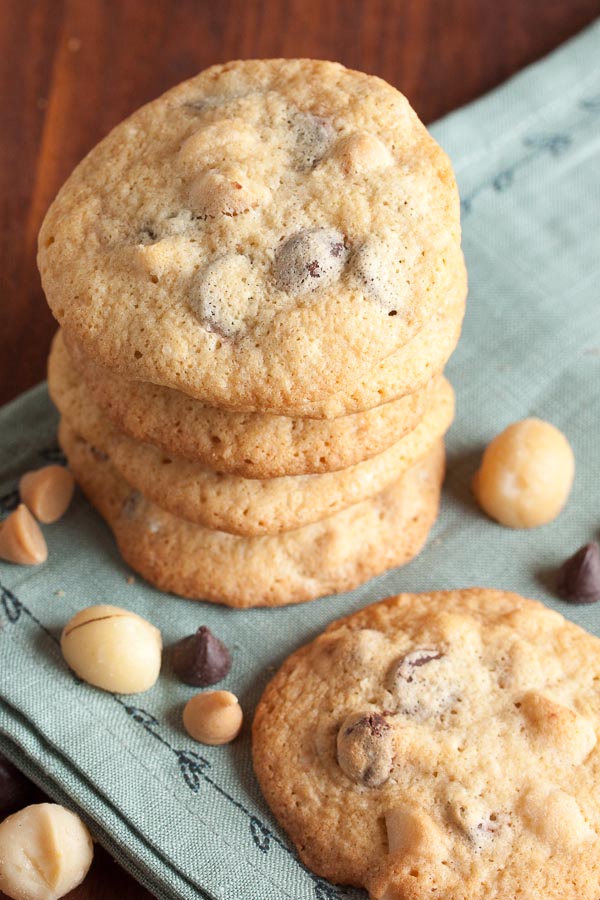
[
  {"x": 365, "y": 749},
  {"x": 579, "y": 577},
  {"x": 15, "y": 790},
  {"x": 198, "y": 105},
  {"x": 201, "y": 659},
  {"x": 98, "y": 455},
  {"x": 414, "y": 660},
  {"x": 309, "y": 260},
  {"x": 148, "y": 234},
  {"x": 313, "y": 135},
  {"x": 131, "y": 503},
  {"x": 375, "y": 723}
]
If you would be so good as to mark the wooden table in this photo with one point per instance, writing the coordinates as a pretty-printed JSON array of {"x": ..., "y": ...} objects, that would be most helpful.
[{"x": 71, "y": 69}]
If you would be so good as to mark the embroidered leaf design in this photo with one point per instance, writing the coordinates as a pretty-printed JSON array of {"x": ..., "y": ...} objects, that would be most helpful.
[
  {"x": 556, "y": 144},
  {"x": 260, "y": 834},
  {"x": 503, "y": 180},
  {"x": 591, "y": 103},
  {"x": 191, "y": 766},
  {"x": 141, "y": 716},
  {"x": 12, "y": 607}
]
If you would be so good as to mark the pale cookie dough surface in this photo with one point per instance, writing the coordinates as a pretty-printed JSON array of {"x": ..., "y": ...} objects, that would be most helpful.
[
  {"x": 253, "y": 445},
  {"x": 251, "y": 506},
  {"x": 167, "y": 417},
  {"x": 333, "y": 555},
  {"x": 291, "y": 220},
  {"x": 440, "y": 745}
]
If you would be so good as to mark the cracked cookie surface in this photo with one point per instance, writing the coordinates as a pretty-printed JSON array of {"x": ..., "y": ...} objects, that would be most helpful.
[
  {"x": 440, "y": 744},
  {"x": 264, "y": 233}
]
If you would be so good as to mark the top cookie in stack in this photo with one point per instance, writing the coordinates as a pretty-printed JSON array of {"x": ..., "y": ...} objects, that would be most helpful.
[{"x": 259, "y": 273}]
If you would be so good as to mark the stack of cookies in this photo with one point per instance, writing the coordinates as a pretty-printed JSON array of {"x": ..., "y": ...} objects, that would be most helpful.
[{"x": 258, "y": 279}]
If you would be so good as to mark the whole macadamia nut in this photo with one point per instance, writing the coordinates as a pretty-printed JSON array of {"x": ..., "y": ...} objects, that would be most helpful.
[
  {"x": 525, "y": 475},
  {"x": 213, "y": 717},
  {"x": 113, "y": 649},
  {"x": 45, "y": 852}
]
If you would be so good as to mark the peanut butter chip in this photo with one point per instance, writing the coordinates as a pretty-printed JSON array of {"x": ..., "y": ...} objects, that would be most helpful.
[
  {"x": 213, "y": 717},
  {"x": 412, "y": 833},
  {"x": 21, "y": 540},
  {"x": 47, "y": 492},
  {"x": 361, "y": 152},
  {"x": 217, "y": 193}
]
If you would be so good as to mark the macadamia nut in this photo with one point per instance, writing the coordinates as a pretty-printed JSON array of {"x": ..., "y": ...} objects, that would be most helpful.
[
  {"x": 113, "y": 649},
  {"x": 525, "y": 475},
  {"x": 21, "y": 540},
  {"x": 45, "y": 852},
  {"x": 47, "y": 492},
  {"x": 213, "y": 717}
]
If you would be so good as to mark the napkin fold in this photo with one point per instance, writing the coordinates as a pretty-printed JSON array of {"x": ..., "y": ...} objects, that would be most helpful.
[{"x": 189, "y": 821}]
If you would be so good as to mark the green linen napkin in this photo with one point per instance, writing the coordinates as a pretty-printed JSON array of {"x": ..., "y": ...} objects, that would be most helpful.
[{"x": 189, "y": 821}]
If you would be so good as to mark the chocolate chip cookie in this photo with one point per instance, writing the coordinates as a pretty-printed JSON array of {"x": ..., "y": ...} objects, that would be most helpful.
[
  {"x": 440, "y": 745},
  {"x": 263, "y": 234}
]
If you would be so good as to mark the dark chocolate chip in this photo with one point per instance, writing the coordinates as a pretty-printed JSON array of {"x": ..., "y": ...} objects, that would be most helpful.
[
  {"x": 579, "y": 577},
  {"x": 365, "y": 748},
  {"x": 131, "y": 503},
  {"x": 98, "y": 455},
  {"x": 313, "y": 135},
  {"x": 148, "y": 235},
  {"x": 415, "y": 660},
  {"x": 309, "y": 260},
  {"x": 374, "y": 723},
  {"x": 15, "y": 790},
  {"x": 201, "y": 659}
]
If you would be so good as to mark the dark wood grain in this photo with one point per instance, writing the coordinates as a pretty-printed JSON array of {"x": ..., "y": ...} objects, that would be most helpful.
[{"x": 71, "y": 69}]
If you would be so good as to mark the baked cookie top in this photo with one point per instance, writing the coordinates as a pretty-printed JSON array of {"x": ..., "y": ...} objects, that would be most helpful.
[
  {"x": 440, "y": 744},
  {"x": 269, "y": 229}
]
